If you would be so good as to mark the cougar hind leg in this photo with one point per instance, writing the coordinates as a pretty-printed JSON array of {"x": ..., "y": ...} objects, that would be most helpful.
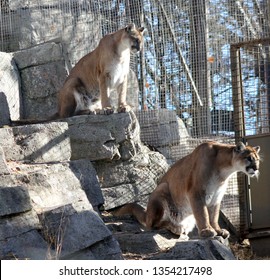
[
  {"x": 67, "y": 107},
  {"x": 157, "y": 213}
]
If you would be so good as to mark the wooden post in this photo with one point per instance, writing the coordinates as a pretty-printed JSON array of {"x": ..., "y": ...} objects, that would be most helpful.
[{"x": 237, "y": 91}]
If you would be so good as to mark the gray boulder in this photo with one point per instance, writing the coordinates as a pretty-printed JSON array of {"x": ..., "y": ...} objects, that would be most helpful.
[
  {"x": 14, "y": 200},
  {"x": 4, "y": 170},
  {"x": 202, "y": 249},
  {"x": 128, "y": 181},
  {"x": 36, "y": 143},
  {"x": 166, "y": 132},
  {"x": 43, "y": 72},
  {"x": 56, "y": 184},
  {"x": 10, "y": 95},
  {"x": 102, "y": 137},
  {"x": 70, "y": 231}
]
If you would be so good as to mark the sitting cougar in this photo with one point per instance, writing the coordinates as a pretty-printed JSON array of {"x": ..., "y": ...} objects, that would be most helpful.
[
  {"x": 192, "y": 189},
  {"x": 87, "y": 88}
]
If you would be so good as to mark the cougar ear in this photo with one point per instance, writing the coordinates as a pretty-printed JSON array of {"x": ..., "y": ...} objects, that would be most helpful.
[
  {"x": 142, "y": 30},
  {"x": 130, "y": 28},
  {"x": 240, "y": 147},
  {"x": 257, "y": 149}
]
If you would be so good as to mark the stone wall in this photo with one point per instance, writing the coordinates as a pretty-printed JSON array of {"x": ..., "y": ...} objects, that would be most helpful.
[
  {"x": 74, "y": 23},
  {"x": 55, "y": 176}
]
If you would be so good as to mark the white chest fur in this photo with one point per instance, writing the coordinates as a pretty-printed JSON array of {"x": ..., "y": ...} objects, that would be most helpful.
[
  {"x": 216, "y": 187},
  {"x": 118, "y": 69},
  {"x": 214, "y": 192}
]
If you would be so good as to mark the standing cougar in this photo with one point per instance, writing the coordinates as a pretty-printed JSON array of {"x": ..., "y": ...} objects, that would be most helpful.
[{"x": 192, "y": 189}]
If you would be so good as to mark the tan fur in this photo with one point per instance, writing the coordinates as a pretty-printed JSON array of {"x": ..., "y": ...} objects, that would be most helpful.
[
  {"x": 87, "y": 88},
  {"x": 192, "y": 189}
]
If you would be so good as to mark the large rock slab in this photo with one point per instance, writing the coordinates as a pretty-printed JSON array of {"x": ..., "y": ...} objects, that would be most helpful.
[
  {"x": 10, "y": 95},
  {"x": 43, "y": 72},
  {"x": 108, "y": 249},
  {"x": 202, "y": 249},
  {"x": 20, "y": 237},
  {"x": 39, "y": 55},
  {"x": 128, "y": 181},
  {"x": 16, "y": 225},
  {"x": 166, "y": 132},
  {"x": 27, "y": 246},
  {"x": 36, "y": 143},
  {"x": 14, "y": 200},
  {"x": 51, "y": 185},
  {"x": 71, "y": 230},
  {"x": 3, "y": 164},
  {"x": 102, "y": 137}
]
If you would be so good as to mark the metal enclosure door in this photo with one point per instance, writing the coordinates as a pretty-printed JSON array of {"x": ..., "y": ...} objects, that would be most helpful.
[{"x": 260, "y": 189}]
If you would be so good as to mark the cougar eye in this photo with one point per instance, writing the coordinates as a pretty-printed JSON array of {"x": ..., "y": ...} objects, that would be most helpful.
[{"x": 249, "y": 158}]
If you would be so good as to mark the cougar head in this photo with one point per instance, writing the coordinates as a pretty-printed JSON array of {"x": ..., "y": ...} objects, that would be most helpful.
[
  {"x": 247, "y": 159},
  {"x": 134, "y": 36}
]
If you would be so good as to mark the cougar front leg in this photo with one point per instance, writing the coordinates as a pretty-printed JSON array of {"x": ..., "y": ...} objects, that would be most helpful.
[
  {"x": 201, "y": 215},
  {"x": 214, "y": 216},
  {"x": 122, "y": 96},
  {"x": 104, "y": 89}
]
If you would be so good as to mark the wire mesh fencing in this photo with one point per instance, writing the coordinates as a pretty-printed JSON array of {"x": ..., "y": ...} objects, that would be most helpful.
[{"x": 186, "y": 76}]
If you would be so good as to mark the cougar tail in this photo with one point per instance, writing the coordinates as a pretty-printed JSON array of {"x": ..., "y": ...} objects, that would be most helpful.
[{"x": 133, "y": 209}]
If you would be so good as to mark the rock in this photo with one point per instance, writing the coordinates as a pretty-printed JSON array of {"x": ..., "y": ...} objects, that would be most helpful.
[
  {"x": 17, "y": 225},
  {"x": 60, "y": 223},
  {"x": 36, "y": 143},
  {"x": 165, "y": 132},
  {"x": 43, "y": 72},
  {"x": 144, "y": 243},
  {"x": 71, "y": 21},
  {"x": 51, "y": 185},
  {"x": 203, "y": 249},
  {"x": 40, "y": 85},
  {"x": 86, "y": 173},
  {"x": 14, "y": 200},
  {"x": 102, "y": 137},
  {"x": 108, "y": 249},
  {"x": 128, "y": 181},
  {"x": 10, "y": 95},
  {"x": 72, "y": 231},
  {"x": 39, "y": 55},
  {"x": 137, "y": 242},
  {"x": 29, "y": 245},
  {"x": 4, "y": 170}
]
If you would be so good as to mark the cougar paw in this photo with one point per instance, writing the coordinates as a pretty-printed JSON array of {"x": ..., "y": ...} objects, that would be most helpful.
[
  {"x": 183, "y": 237},
  {"x": 124, "y": 108},
  {"x": 208, "y": 233},
  {"x": 106, "y": 111},
  {"x": 86, "y": 112},
  {"x": 223, "y": 233}
]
